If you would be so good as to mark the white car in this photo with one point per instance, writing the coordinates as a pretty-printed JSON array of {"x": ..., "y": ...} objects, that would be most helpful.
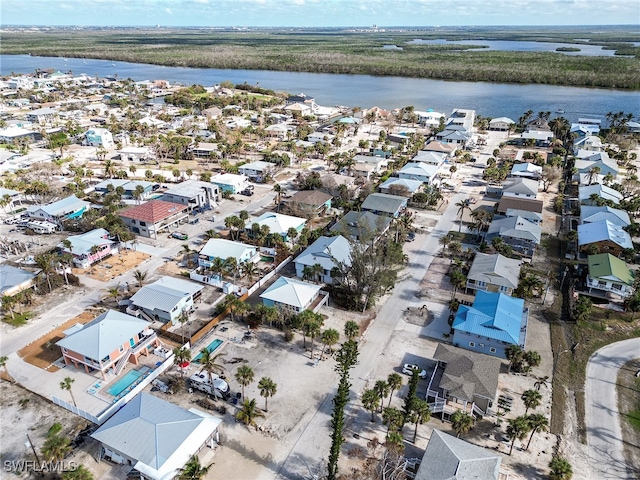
[{"x": 409, "y": 368}]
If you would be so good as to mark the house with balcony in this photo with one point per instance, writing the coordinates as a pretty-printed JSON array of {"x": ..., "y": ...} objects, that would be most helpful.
[
  {"x": 309, "y": 203},
  {"x": 165, "y": 300},
  {"x": 521, "y": 234},
  {"x": 592, "y": 194},
  {"x": 422, "y": 172},
  {"x": 438, "y": 147},
  {"x": 385, "y": 204},
  {"x": 366, "y": 165},
  {"x": 194, "y": 194},
  {"x": 155, "y": 438},
  {"x": 608, "y": 275},
  {"x": 107, "y": 343},
  {"x": 457, "y": 138},
  {"x": 362, "y": 226},
  {"x": 230, "y": 182},
  {"x": 603, "y": 237},
  {"x": 294, "y": 295},
  {"x": 526, "y": 170},
  {"x": 494, "y": 273},
  {"x": 277, "y": 223},
  {"x": 99, "y": 137},
  {"x": 67, "y": 208},
  {"x": 491, "y": 324},
  {"x": 430, "y": 158},
  {"x": 501, "y": 124},
  {"x": 223, "y": 249},
  {"x": 90, "y": 247},
  {"x": 520, "y": 204},
  {"x": 589, "y": 143},
  {"x": 129, "y": 187},
  {"x": 328, "y": 253},
  {"x": 590, "y": 214},
  {"x": 42, "y": 116},
  {"x": 257, "y": 171},
  {"x": 154, "y": 217}
]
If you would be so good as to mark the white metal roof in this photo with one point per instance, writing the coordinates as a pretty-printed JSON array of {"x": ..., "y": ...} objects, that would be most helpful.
[{"x": 290, "y": 291}]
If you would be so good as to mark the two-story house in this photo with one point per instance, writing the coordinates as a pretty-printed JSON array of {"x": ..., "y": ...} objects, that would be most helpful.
[
  {"x": 327, "y": 252},
  {"x": 67, "y": 208},
  {"x": 154, "y": 217},
  {"x": 384, "y": 204},
  {"x": 603, "y": 237},
  {"x": 89, "y": 247},
  {"x": 423, "y": 172},
  {"x": 609, "y": 275},
  {"x": 494, "y": 273},
  {"x": 195, "y": 194},
  {"x": 223, "y": 249},
  {"x": 165, "y": 300},
  {"x": 521, "y": 234}
]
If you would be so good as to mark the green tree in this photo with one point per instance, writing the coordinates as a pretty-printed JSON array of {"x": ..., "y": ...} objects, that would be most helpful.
[
  {"x": 461, "y": 422},
  {"x": 193, "y": 470},
  {"x": 304, "y": 319},
  {"x": 582, "y": 309},
  {"x": 462, "y": 205},
  {"x": 249, "y": 412},
  {"x": 209, "y": 363},
  {"x": 421, "y": 413},
  {"x": 517, "y": 430},
  {"x": 411, "y": 397},
  {"x": 383, "y": 389},
  {"x": 66, "y": 385},
  {"x": 515, "y": 356},
  {"x": 531, "y": 399},
  {"x": 55, "y": 448},
  {"x": 393, "y": 419},
  {"x": 560, "y": 469},
  {"x": 140, "y": 277},
  {"x": 267, "y": 389},
  {"x": 537, "y": 423},
  {"x": 394, "y": 380},
  {"x": 370, "y": 399},
  {"x": 244, "y": 376},
  {"x": 79, "y": 473},
  {"x": 351, "y": 330},
  {"x": 329, "y": 338},
  {"x": 180, "y": 356},
  {"x": 234, "y": 305},
  {"x": 395, "y": 442}
]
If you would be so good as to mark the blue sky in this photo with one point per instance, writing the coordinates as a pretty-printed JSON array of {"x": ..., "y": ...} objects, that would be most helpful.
[{"x": 311, "y": 13}]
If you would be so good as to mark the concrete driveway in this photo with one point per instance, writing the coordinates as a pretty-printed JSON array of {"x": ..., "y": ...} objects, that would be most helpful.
[{"x": 604, "y": 436}]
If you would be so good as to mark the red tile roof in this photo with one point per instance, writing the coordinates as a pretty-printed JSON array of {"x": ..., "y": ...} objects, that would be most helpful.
[{"x": 153, "y": 211}]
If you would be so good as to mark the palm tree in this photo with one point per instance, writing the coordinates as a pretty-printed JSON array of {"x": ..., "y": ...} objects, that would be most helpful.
[
  {"x": 329, "y": 337},
  {"x": 592, "y": 176},
  {"x": 8, "y": 305},
  {"x": 517, "y": 430},
  {"x": 531, "y": 399},
  {"x": 515, "y": 356},
  {"x": 45, "y": 262},
  {"x": 55, "y": 448},
  {"x": 209, "y": 363},
  {"x": 312, "y": 272},
  {"x": 249, "y": 412},
  {"x": 140, "y": 277},
  {"x": 193, "y": 470},
  {"x": 66, "y": 385},
  {"x": 114, "y": 292},
  {"x": 537, "y": 423},
  {"x": 231, "y": 267},
  {"x": 209, "y": 234},
  {"x": 420, "y": 413},
  {"x": 267, "y": 389},
  {"x": 462, "y": 206},
  {"x": 278, "y": 198},
  {"x": 461, "y": 422},
  {"x": 560, "y": 469},
  {"x": 393, "y": 418},
  {"x": 234, "y": 305},
  {"x": 180, "y": 356},
  {"x": 532, "y": 358},
  {"x": 351, "y": 329},
  {"x": 312, "y": 329},
  {"x": 244, "y": 376},
  {"x": 395, "y": 442},
  {"x": 382, "y": 388},
  {"x": 370, "y": 399},
  {"x": 394, "y": 380},
  {"x": 249, "y": 270}
]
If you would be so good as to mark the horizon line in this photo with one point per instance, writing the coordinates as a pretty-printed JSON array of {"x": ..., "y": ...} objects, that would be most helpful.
[{"x": 371, "y": 27}]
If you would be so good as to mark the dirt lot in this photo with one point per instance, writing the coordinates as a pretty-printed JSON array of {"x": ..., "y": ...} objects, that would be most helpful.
[
  {"x": 113, "y": 267},
  {"x": 629, "y": 408},
  {"x": 44, "y": 351}
]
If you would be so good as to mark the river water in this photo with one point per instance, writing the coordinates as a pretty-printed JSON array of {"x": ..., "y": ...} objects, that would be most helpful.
[{"x": 488, "y": 99}]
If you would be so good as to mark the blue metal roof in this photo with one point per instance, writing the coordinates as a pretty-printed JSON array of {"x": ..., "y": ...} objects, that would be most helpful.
[{"x": 493, "y": 315}]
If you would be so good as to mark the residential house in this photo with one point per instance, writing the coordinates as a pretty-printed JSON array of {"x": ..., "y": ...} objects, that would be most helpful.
[
  {"x": 451, "y": 458},
  {"x": 42, "y": 116},
  {"x": 430, "y": 118},
  {"x": 107, "y": 343},
  {"x": 590, "y": 143},
  {"x": 593, "y": 194},
  {"x": 11, "y": 196},
  {"x": 422, "y": 172},
  {"x": 590, "y": 214},
  {"x": 257, "y": 171},
  {"x": 604, "y": 236},
  {"x": 400, "y": 186},
  {"x": 633, "y": 127},
  {"x": 67, "y": 208},
  {"x": 533, "y": 217},
  {"x": 463, "y": 118},
  {"x": 14, "y": 280},
  {"x": 366, "y": 165},
  {"x": 454, "y": 137},
  {"x": 494, "y": 322},
  {"x": 99, "y": 137},
  {"x": 540, "y": 138},
  {"x": 609, "y": 275},
  {"x": 327, "y": 252},
  {"x": 522, "y": 235},
  {"x": 384, "y": 204},
  {"x": 195, "y": 194},
  {"x": 301, "y": 109},
  {"x": 309, "y": 203},
  {"x": 494, "y": 273},
  {"x": 520, "y": 187},
  {"x": 331, "y": 184},
  {"x": 463, "y": 380},
  {"x": 230, "y": 182},
  {"x": 204, "y": 150},
  {"x": 130, "y": 187},
  {"x": 320, "y": 137},
  {"x": 154, "y": 437},
  {"x": 362, "y": 226},
  {"x": 212, "y": 113},
  {"x": 430, "y": 158},
  {"x": 135, "y": 154},
  {"x": 166, "y": 299},
  {"x": 13, "y": 135},
  {"x": 527, "y": 170},
  {"x": 277, "y": 223},
  {"x": 519, "y": 203},
  {"x": 223, "y": 249},
  {"x": 292, "y": 294},
  {"x": 90, "y": 247},
  {"x": 301, "y": 98},
  {"x": 439, "y": 147},
  {"x": 154, "y": 217},
  {"x": 599, "y": 160},
  {"x": 279, "y": 131},
  {"x": 501, "y": 124}
]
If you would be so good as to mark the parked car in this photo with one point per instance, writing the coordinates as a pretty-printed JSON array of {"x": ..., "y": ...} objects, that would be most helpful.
[
  {"x": 411, "y": 236},
  {"x": 180, "y": 235},
  {"x": 409, "y": 368},
  {"x": 246, "y": 192}
]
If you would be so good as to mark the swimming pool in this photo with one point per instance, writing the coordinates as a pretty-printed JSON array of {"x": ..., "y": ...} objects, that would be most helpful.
[
  {"x": 211, "y": 347},
  {"x": 124, "y": 383}
]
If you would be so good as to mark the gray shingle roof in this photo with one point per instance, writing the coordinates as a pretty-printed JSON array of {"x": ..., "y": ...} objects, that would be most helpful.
[
  {"x": 495, "y": 269},
  {"x": 326, "y": 251},
  {"x": 382, "y": 202},
  {"x": 165, "y": 293}
]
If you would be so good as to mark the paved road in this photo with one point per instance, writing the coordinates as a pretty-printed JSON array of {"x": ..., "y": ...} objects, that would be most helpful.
[
  {"x": 314, "y": 441},
  {"x": 604, "y": 436}
]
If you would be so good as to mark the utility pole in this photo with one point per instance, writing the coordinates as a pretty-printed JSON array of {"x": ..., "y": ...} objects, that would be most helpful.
[{"x": 34, "y": 450}]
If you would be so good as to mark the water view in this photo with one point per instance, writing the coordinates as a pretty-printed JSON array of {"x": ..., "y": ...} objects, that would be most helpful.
[{"x": 488, "y": 99}]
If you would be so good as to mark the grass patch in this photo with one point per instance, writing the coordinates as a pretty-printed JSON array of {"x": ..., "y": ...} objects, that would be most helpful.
[
  {"x": 633, "y": 417},
  {"x": 461, "y": 237},
  {"x": 18, "y": 320}
]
